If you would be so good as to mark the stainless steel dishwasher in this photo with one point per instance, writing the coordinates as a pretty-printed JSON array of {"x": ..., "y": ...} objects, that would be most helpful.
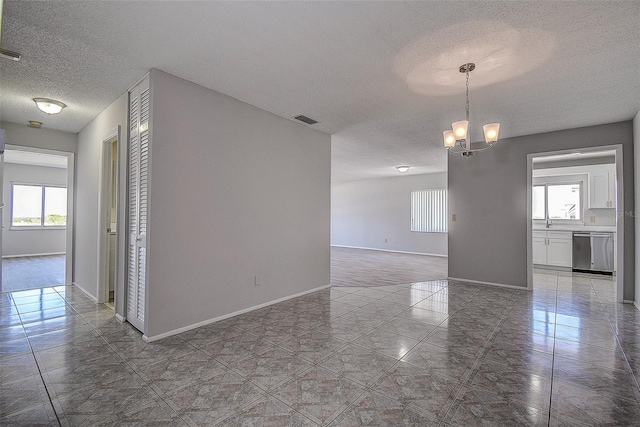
[{"x": 593, "y": 252}]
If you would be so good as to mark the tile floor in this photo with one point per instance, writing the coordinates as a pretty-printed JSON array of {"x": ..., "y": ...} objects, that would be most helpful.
[{"x": 431, "y": 353}]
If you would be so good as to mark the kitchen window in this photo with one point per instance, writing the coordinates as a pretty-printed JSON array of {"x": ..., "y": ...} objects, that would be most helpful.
[
  {"x": 38, "y": 206},
  {"x": 557, "y": 201}
]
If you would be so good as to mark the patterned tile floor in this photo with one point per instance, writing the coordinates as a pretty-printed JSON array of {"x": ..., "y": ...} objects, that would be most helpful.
[{"x": 430, "y": 353}]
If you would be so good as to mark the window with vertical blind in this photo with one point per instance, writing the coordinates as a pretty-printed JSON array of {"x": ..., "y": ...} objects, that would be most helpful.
[{"x": 429, "y": 211}]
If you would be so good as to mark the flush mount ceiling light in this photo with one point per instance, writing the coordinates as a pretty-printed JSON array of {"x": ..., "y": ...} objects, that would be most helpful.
[
  {"x": 49, "y": 106},
  {"x": 402, "y": 169},
  {"x": 458, "y": 133},
  {"x": 35, "y": 124}
]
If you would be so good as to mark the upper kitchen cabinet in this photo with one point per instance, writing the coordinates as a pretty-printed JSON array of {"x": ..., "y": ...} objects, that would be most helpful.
[{"x": 602, "y": 190}]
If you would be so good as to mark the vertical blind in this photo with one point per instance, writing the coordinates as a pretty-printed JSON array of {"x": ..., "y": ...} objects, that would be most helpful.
[{"x": 429, "y": 211}]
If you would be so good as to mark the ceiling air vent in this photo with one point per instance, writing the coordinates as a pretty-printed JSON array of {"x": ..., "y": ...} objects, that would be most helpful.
[{"x": 306, "y": 119}]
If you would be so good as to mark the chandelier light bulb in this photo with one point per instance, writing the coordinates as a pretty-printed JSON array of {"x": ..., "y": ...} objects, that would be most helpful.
[
  {"x": 491, "y": 132},
  {"x": 460, "y": 129},
  {"x": 449, "y": 139}
]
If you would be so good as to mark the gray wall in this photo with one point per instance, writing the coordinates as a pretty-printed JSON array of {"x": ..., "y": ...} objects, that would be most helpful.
[
  {"x": 19, "y": 242},
  {"x": 636, "y": 148},
  {"x": 365, "y": 213},
  {"x": 235, "y": 192},
  {"x": 488, "y": 192},
  {"x": 48, "y": 139},
  {"x": 90, "y": 146}
]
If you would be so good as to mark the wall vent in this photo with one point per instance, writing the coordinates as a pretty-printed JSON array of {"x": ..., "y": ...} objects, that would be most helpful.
[{"x": 306, "y": 119}]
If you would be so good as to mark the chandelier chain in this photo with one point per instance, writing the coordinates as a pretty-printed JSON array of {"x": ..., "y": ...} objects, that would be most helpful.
[{"x": 466, "y": 109}]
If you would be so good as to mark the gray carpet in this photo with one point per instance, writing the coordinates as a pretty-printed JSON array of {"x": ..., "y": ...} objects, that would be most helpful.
[
  {"x": 32, "y": 272},
  {"x": 362, "y": 267}
]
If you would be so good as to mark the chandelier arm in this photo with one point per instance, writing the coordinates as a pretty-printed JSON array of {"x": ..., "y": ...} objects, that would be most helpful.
[{"x": 451, "y": 151}]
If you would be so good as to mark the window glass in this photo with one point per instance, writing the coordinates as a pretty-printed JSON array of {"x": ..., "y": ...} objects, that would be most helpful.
[
  {"x": 55, "y": 206},
  {"x": 564, "y": 201},
  {"x": 538, "y": 202},
  {"x": 27, "y": 206}
]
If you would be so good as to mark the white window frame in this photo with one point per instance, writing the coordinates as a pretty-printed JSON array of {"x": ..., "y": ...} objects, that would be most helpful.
[
  {"x": 42, "y": 225},
  {"x": 430, "y": 214},
  {"x": 546, "y": 202}
]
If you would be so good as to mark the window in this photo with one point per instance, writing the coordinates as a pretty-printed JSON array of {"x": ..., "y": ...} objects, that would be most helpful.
[
  {"x": 38, "y": 206},
  {"x": 557, "y": 201},
  {"x": 429, "y": 211}
]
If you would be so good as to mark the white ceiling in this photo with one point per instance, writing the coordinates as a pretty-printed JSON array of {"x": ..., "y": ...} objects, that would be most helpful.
[
  {"x": 380, "y": 76},
  {"x": 35, "y": 159}
]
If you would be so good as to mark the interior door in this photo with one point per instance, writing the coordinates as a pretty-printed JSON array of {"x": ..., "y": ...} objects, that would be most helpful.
[{"x": 138, "y": 203}]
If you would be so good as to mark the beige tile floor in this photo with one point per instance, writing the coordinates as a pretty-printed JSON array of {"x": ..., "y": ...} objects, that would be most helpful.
[{"x": 425, "y": 353}]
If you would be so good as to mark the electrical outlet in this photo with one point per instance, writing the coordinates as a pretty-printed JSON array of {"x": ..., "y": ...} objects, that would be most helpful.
[
  {"x": 453, "y": 217},
  {"x": 257, "y": 281},
  {"x": 592, "y": 218},
  {"x": 385, "y": 240}
]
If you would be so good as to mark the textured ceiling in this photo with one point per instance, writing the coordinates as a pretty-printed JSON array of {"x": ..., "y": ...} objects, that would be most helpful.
[{"x": 380, "y": 76}]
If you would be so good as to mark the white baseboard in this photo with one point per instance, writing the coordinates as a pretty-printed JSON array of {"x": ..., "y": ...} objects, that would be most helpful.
[
  {"x": 501, "y": 285},
  {"x": 30, "y": 255},
  {"x": 84, "y": 291},
  {"x": 119, "y": 318},
  {"x": 636, "y": 304},
  {"x": 226, "y": 316},
  {"x": 389, "y": 250}
]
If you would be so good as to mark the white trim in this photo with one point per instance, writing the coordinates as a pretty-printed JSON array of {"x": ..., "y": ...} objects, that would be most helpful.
[
  {"x": 628, "y": 301},
  {"x": 226, "y": 316},
  {"x": 479, "y": 282},
  {"x": 388, "y": 250},
  {"x": 30, "y": 255},
  {"x": 636, "y": 304},
  {"x": 119, "y": 318},
  {"x": 84, "y": 291}
]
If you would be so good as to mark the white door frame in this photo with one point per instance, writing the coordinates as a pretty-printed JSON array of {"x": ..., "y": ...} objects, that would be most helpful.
[
  {"x": 71, "y": 168},
  {"x": 619, "y": 208},
  {"x": 104, "y": 215}
]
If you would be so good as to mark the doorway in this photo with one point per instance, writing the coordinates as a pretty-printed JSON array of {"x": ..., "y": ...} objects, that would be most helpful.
[
  {"x": 574, "y": 196},
  {"x": 37, "y": 220},
  {"x": 108, "y": 227}
]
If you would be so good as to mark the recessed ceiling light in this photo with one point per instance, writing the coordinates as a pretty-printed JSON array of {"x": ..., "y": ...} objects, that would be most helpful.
[
  {"x": 403, "y": 168},
  {"x": 49, "y": 106},
  {"x": 35, "y": 124}
]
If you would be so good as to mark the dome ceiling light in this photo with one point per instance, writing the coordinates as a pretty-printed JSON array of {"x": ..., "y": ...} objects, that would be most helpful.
[{"x": 49, "y": 106}]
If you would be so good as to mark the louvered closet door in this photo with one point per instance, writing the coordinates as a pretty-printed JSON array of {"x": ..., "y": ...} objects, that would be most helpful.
[{"x": 138, "y": 202}]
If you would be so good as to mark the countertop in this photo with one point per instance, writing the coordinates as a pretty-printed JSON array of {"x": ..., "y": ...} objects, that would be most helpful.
[{"x": 560, "y": 227}]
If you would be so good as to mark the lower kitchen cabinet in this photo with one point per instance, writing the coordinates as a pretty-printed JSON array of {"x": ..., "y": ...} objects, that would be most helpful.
[{"x": 552, "y": 248}]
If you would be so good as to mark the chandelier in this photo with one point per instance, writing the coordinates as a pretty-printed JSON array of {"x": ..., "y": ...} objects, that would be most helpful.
[{"x": 458, "y": 133}]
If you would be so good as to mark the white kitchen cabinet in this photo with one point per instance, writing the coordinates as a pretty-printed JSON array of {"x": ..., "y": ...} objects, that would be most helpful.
[
  {"x": 559, "y": 252},
  {"x": 539, "y": 247},
  {"x": 602, "y": 190},
  {"x": 552, "y": 248}
]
